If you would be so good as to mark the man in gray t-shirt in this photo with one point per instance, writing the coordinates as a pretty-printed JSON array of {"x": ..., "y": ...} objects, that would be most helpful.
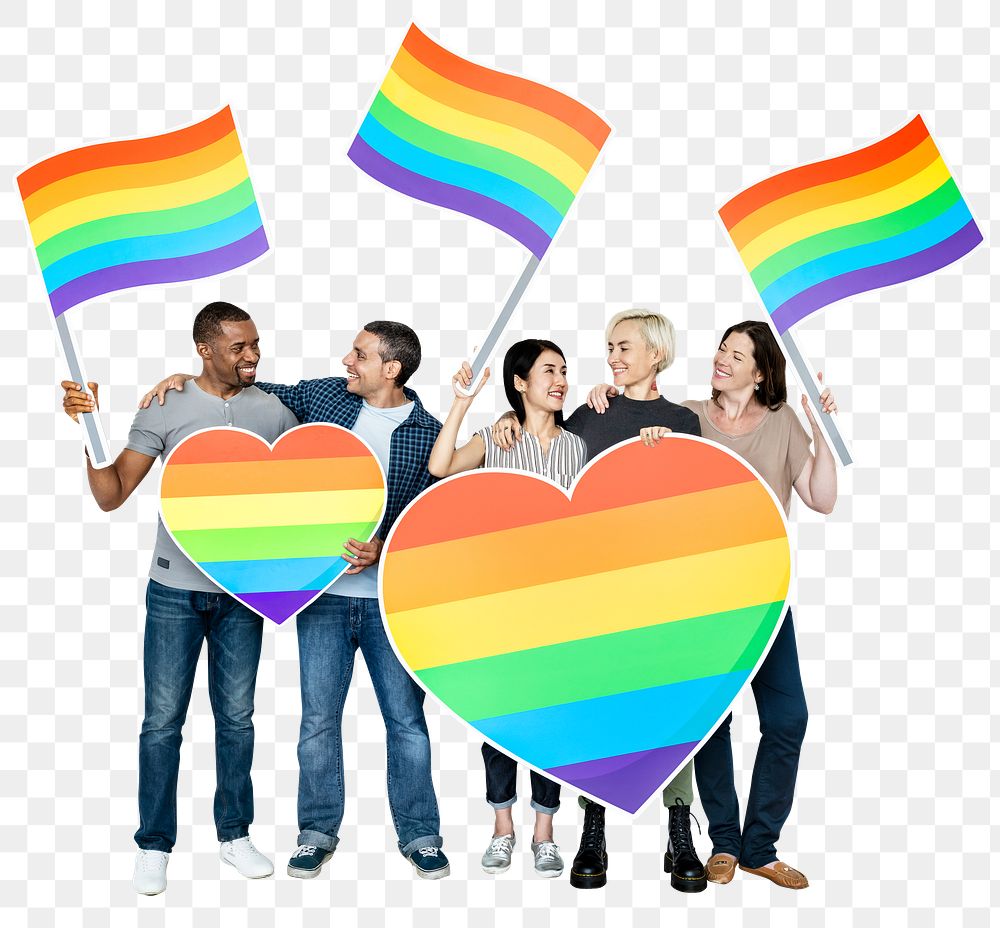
[{"x": 184, "y": 608}]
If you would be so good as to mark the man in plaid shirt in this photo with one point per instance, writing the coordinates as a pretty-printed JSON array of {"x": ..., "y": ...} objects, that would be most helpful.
[{"x": 373, "y": 402}]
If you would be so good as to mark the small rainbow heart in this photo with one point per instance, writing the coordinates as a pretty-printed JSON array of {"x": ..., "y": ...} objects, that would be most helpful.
[
  {"x": 600, "y": 635},
  {"x": 268, "y": 523}
]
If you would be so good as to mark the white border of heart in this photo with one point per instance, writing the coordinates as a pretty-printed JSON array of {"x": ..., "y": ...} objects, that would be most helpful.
[
  {"x": 271, "y": 446},
  {"x": 478, "y": 735}
]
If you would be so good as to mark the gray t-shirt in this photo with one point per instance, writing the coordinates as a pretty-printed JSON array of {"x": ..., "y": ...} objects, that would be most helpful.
[{"x": 156, "y": 430}]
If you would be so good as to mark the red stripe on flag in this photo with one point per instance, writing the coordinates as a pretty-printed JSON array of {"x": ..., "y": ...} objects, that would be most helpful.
[
  {"x": 133, "y": 151},
  {"x": 518, "y": 89},
  {"x": 823, "y": 172}
]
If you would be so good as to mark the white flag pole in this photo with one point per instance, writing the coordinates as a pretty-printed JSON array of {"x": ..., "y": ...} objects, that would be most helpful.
[
  {"x": 810, "y": 385},
  {"x": 500, "y": 321},
  {"x": 92, "y": 432}
]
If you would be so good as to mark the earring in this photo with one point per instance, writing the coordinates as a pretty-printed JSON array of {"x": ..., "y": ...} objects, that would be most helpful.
[{"x": 756, "y": 388}]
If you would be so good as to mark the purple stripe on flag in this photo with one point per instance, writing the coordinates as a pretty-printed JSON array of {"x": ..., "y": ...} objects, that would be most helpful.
[
  {"x": 628, "y": 780},
  {"x": 277, "y": 606},
  {"x": 159, "y": 271},
  {"x": 879, "y": 275},
  {"x": 459, "y": 199}
]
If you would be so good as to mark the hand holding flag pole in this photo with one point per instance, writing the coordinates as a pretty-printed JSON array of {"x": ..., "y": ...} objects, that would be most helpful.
[
  {"x": 122, "y": 214},
  {"x": 502, "y": 149},
  {"x": 822, "y": 232}
]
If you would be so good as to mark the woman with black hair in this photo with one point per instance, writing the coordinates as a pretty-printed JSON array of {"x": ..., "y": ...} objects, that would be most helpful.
[
  {"x": 641, "y": 344},
  {"x": 534, "y": 379}
]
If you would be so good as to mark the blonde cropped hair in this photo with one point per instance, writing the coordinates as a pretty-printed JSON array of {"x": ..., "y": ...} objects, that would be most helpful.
[{"x": 657, "y": 332}]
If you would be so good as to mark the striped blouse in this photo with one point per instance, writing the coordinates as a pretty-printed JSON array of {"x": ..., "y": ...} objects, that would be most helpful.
[{"x": 566, "y": 456}]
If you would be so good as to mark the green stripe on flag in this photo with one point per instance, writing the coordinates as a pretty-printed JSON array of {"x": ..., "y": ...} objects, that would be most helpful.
[
  {"x": 604, "y": 665},
  {"x": 476, "y": 154},
  {"x": 857, "y": 233},
  {"x": 155, "y": 222},
  {"x": 270, "y": 542}
]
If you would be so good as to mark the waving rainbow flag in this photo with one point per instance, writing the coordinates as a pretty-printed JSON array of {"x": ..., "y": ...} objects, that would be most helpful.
[
  {"x": 872, "y": 218},
  {"x": 161, "y": 209},
  {"x": 503, "y": 149}
]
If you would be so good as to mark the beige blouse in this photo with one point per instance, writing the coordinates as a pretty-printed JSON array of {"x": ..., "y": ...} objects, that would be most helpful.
[{"x": 778, "y": 448}]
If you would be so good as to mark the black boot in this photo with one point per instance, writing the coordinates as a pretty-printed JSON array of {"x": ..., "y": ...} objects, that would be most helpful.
[
  {"x": 686, "y": 872},
  {"x": 590, "y": 866}
]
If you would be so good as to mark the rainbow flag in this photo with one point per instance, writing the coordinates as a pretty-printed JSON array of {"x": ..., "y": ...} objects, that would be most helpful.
[
  {"x": 604, "y": 664},
  {"x": 162, "y": 209},
  {"x": 868, "y": 219},
  {"x": 503, "y": 149},
  {"x": 269, "y": 526}
]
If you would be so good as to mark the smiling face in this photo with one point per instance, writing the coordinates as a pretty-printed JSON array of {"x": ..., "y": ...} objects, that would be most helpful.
[
  {"x": 366, "y": 371},
  {"x": 231, "y": 358},
  {"x": 631, "y": 360},
  {"x": 734, "y": 368},
  {"x": 545, "y": 387}
]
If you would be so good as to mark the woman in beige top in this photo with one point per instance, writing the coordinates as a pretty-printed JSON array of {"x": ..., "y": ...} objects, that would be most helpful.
[{"x": 747, "y": 413}]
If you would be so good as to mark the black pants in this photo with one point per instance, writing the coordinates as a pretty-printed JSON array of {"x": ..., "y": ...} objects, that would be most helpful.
[{"x": 501, "y": 783}]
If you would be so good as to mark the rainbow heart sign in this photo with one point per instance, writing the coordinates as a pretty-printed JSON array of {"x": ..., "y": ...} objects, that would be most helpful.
[
  {"x": 600, "y": 635},
  {"x": 268, "y": 523}
]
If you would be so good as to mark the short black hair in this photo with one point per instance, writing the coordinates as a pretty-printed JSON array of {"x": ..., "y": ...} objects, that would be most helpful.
[
  {"x": 208, "y": 323},
  {"x": 397, "y": 342}
]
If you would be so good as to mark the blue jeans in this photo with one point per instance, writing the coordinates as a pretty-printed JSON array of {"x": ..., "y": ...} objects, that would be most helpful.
[
  {"x": 330, "y": 631},
  {"x": 177, "y": 622},
  {"x": 781, "y": 707}
]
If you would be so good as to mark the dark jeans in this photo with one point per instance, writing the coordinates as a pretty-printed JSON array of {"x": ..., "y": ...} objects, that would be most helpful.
[
  {"x": 781, "y": 707},
  {"x": 501, "y": 783},
  {"x": 177, "y": 622},
  {"x": 329, "y": 633}
]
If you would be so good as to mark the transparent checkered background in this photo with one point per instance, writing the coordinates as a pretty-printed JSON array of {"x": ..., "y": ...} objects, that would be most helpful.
[{"x": 894, "y": 817}]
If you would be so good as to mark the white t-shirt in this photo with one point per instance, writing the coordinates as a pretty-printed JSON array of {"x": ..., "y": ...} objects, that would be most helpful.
[{"x": 375, "y": 426}]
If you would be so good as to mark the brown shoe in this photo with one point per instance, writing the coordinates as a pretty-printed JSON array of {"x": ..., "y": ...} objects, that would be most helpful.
[
  {"x": 721, "y": 868},
  {"x": 781, "y": 874}
]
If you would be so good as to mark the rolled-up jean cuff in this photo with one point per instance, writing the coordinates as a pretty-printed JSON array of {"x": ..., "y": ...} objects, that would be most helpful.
[
  {"x": 416, "y": 843},
  {"x": 318, "y": 839},
  {"x": 503, "y": 805},
  {"x": 547, "y": 810},
  {"x": 235, "y": 836}
]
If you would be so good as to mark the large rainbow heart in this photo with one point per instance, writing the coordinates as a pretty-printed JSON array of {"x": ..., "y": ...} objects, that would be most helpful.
[
  {"x": 268, "y": 523},
  {"x": 599, "y": 635}
]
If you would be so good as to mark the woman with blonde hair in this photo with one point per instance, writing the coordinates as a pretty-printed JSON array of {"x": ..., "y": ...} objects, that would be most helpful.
[
  {"x": 748, "y": 413},
  {"x": 641, "y": 344}
]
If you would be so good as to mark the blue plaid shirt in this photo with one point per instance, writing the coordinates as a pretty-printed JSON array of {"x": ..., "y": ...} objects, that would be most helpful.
[{"x": 328, "y": 400}]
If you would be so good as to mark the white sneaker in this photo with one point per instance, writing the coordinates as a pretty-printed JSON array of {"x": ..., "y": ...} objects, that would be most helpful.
[
  {"x": 242, "y": 855},
  {"x": 496, "y": 859},
  {"x": 150, "y": 876}
]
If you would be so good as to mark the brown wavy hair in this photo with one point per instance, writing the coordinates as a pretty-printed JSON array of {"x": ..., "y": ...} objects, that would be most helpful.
[{"x": 767, "y": 358}]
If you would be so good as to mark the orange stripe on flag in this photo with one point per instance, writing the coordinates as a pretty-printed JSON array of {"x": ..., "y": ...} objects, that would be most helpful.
[
  {"x": 564, "y": 548},
  {"x": 494, "y": 513},
  {"x": 108, "y": 154},
  {"x": 518, "y": 89},
  {"x": 224, "y": 447},
  {"x": 270, "y": 476},
  {"x": 132, "y": 176},
  {"x": 823, "y": 172}
]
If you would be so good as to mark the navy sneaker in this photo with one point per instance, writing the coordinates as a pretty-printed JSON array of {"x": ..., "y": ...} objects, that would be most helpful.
[
  {"x": 307, "y": 861},
  {"x": 430, "y": 863}
]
